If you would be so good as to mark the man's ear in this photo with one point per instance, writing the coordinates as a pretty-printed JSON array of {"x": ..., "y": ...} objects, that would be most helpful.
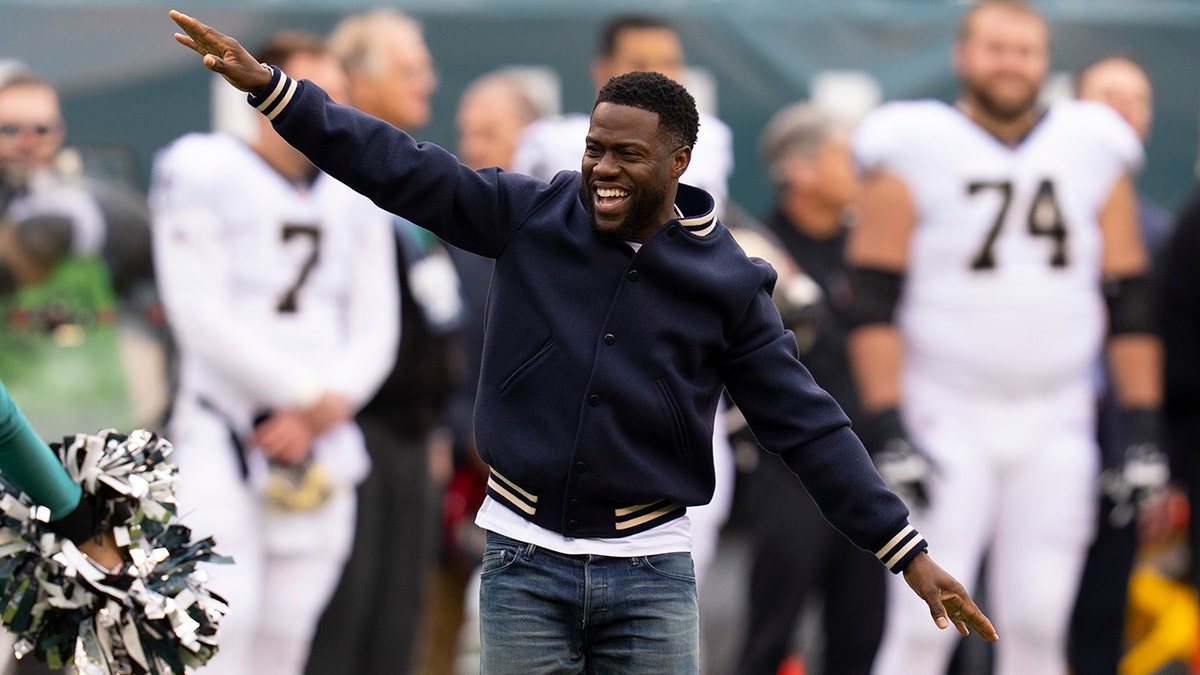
[{"x": 680, "y": 159}]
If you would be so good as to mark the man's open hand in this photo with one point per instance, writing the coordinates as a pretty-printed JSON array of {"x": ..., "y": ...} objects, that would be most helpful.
[
  {"x": 947, "y": 599},
  {"x": 222, "y": 54}
]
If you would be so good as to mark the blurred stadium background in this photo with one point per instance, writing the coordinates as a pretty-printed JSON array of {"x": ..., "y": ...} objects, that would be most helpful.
[{"x": 128, "y": 89}]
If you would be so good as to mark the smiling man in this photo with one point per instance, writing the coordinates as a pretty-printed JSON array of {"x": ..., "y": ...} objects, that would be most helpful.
[
  {"x": 629, "y": 169},
  {"x": 620, "y": 309}
]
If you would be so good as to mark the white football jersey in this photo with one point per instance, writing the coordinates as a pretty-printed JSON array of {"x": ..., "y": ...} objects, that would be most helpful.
[
  {"x": 275, "y": 292},
  {"x": 1003, "y": 287},
  {"x": 555, "y": 144}
]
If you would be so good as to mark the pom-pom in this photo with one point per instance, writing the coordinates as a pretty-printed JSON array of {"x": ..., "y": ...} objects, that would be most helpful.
[{"x": 154, "y": 615}]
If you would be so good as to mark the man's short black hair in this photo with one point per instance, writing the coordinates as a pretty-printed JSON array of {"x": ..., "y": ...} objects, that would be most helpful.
[
  {"x": 623, "y": 22},
  {"x": 678, "y": 120}
]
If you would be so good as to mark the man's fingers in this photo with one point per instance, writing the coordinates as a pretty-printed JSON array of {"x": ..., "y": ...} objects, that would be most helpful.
[
  {"x": 966, "y": 616},
  {"x": 200, "y": 37},
  {"x": 213, "y": 63},
  {"x": 192, "y": 27},
  {"x": 187, "y": 41}
]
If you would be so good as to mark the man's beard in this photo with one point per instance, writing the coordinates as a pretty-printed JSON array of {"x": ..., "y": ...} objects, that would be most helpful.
[
  {"x": 996, "y": 109},
  {"x": 641, "y": 212}
]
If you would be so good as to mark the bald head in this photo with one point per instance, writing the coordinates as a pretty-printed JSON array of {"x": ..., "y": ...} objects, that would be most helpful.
[{"x": 1121, "y": 84}]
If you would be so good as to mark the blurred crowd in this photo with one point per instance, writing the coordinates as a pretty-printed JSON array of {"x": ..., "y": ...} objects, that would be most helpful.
[{"x": 315, "y": 359}]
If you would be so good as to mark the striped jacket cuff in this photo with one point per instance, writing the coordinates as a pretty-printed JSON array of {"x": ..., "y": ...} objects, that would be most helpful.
[
  {"x": 273, "y": 98},
  {"x": 901, "y": 549}
]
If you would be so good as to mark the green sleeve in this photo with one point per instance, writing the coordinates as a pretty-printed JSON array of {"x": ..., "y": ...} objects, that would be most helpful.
[{"x": 26, "y": 460}]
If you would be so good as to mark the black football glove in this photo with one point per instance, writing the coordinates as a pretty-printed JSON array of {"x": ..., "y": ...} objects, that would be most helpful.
[
  {"x": 1140, "y": 480},
  {"x": 906, "y": 469}
]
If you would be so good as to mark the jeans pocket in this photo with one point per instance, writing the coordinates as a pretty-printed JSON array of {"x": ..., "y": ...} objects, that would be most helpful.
[
  {"x": 672, "y": 565},
  {"x": 498, "y": 556}
]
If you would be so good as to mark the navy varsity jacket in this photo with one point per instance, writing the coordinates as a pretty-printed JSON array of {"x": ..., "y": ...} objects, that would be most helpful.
[{"x": 602, "y": 367}]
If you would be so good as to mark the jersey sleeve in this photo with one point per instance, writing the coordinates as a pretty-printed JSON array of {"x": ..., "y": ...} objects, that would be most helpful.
[
  {"x": 1126, "y": 147},
  {"x": 373, "y": 317},
  {"x": 28, "y": 461},
  {"x": 898, "y": 137},
  {"x": 192, "y": 263},
  {"x": 871, "y": 140}
]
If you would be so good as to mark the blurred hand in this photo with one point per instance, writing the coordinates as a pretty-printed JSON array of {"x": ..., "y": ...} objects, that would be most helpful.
[
  {"x": 329, "y": 411},
  {"x": 284, "y": 437},
  {"x": 222, "y": 54}
]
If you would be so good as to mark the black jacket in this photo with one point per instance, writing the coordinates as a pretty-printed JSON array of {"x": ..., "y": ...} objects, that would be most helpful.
[{"x": 602, "y": 367}]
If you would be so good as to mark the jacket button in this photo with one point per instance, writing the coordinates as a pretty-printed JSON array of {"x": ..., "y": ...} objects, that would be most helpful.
[
  {"x": 609, "y": 338},
  {"x": 633, "y": 275},
  {"x": 572, "y": 524},
  {"x": 573, "y": 503},
  {"x": 594, "y": 400},
  {"x": 580, "y": 467}
]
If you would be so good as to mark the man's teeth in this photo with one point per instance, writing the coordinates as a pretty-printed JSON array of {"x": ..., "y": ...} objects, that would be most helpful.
[{"x": 611, "y": 192}]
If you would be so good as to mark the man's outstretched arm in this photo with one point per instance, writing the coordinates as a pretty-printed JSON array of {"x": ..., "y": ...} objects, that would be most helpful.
[{"x": 222, "y": 54}]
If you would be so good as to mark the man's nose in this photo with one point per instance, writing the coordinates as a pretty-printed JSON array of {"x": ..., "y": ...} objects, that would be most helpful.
[{"x": 606, "y": 164}]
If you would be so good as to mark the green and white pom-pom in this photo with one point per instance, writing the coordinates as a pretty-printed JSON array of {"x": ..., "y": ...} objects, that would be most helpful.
[{"x": 154, "y": 616}]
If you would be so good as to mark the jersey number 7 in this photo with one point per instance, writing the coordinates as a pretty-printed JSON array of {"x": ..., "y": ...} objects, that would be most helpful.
[{"x": 287, "y": 303}]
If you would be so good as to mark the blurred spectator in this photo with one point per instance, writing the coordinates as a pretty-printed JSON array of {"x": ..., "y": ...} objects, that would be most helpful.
[
  {"x": 372, "y": 625},
  {"x": 640, "y": 42},
  {"x": 59, "y": 348},
  {"x": 39, "y": 173},
  {"x": 1098, "y": 622},
  {"x": 802, "y": 557},
  {"x": 279, "y": 287},
  {"x": 1122, "y": 84},
  {"x": 493, "y": 112}
]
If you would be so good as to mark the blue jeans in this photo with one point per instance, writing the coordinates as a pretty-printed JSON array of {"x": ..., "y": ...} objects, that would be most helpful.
[{"x": 544, "y": 613}]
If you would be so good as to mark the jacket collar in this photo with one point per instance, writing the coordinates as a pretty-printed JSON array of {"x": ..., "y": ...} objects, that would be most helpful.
[{"x": 696, "y": 210}]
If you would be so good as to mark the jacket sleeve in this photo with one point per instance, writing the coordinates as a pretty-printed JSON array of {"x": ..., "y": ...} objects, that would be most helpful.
[
  {"x": 373, "y": 315},
  {"x": 793, "y": 417},
  {"x": 474, "y": 210}
]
